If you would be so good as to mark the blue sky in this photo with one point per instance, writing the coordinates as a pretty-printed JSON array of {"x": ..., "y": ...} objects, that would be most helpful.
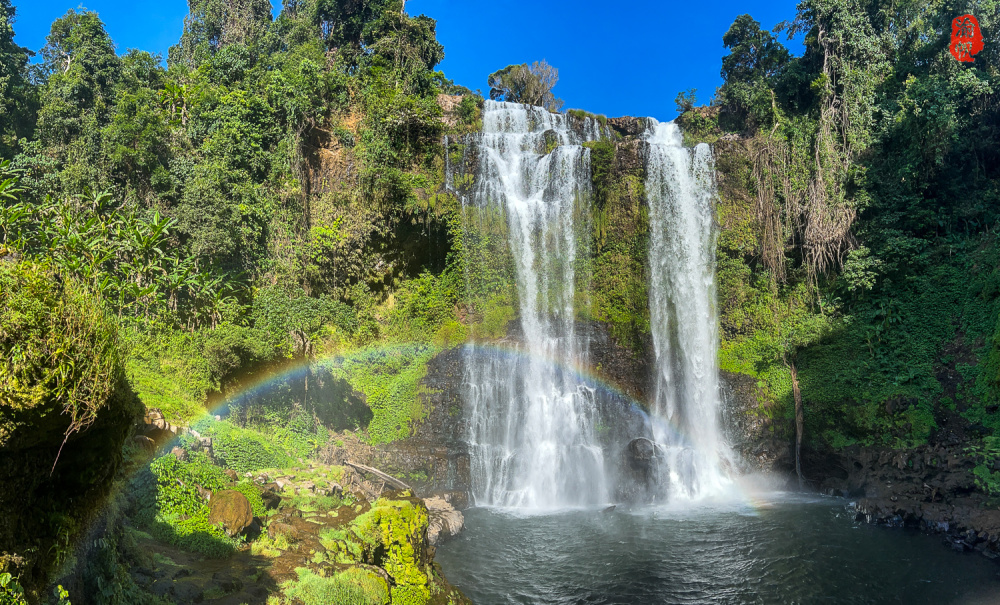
[{"x": 629, "y": 57}]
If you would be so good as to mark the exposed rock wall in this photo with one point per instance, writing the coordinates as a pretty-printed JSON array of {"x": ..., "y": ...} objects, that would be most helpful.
[
  {"x": 763, "y": 444},
  {"x": 435, "y": 460},
  {"x": 930, "y": 487}
]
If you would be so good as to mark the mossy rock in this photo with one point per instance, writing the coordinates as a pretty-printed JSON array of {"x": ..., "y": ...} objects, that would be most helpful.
[
  {"x": 65, "y": 412},
  {"x": 394, "y": 535},
  {"x": 232, "y": 509}
]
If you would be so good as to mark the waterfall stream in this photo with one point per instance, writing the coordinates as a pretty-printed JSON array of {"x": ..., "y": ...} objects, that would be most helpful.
[
  {"x": 680, "y": 186},
  {"x": 540, "y": 435},
  {"x": 532, "y": 422}
]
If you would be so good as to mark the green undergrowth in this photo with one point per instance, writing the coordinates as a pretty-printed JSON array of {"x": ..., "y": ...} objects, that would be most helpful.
[
  {"x": 619, "y": 245},
  {"x": 916, "y": 349},
  {"x": 355, "y": 586},
  {"x": 269, "y": 445},
  {"x": 582, "y": 114},
  {"x": 390, "y": 535},
  {"x": 921, "y": 344},
  {"x": 176, "y": 370},
  {"x": 60, "y": 357},
  {"x": 168, "y": 502},
  {"x": 252, "y": 493},
  {"x": 986, "y": 455},
  {"x": 389, "y": 378}
]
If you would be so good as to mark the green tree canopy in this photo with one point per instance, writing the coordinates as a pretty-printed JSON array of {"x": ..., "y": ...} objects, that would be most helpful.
[
  {"x": 81, "y": 69},
  {"x": 754, "y": 60},
  {"x": 15, "y": 91},
  {"x": 211, "y": 25}
]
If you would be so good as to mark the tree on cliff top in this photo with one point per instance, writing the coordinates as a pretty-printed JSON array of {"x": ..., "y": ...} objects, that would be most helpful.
[
  {"x": 531, "y": 84},
  {"x": 755, "y": 59}
]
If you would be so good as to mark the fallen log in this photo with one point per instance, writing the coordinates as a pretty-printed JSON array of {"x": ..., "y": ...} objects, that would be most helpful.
[{"x": 374, "y": 471}]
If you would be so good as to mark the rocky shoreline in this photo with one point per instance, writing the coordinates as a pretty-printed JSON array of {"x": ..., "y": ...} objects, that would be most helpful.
[{"x": 930, "y": 488}]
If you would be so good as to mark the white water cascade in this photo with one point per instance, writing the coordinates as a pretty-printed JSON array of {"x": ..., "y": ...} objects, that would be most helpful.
[
  {"x": 532, "y": 422},
  {"x": 680, "y": 186}
]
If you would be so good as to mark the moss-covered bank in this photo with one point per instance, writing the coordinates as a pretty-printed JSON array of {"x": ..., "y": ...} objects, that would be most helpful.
[{"x": 65, "y": 412}]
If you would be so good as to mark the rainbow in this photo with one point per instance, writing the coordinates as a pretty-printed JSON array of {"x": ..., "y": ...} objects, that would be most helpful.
[
  {"x": 742, "y": 492},
  {"x": 300, "y": 369}
]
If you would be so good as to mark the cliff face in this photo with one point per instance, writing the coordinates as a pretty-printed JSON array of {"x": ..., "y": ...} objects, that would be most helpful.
[{"x": 435, "y": 460}]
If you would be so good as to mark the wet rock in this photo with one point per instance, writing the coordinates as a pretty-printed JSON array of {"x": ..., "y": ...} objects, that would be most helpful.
[
  {"x": 145, "y": 444},
  {"x": 443, "y": 520},
  {"x": 179, "y": 453},
  {"x": 641, "y": 452},
  {"x": 253, "y": 531},
  {"x": 628, "y": 125},
  {"x": 458, "y": 499},
  {"x": 162, "y": 588},
  {"x": 764, "y": 444},
  {"x": 269, "y": 495},
  {"x": 929, "y": 487},
  {"x": 187, "y": 592},
  {"x": 232, "y": 509},
  {"x": 233, "y": 476}
]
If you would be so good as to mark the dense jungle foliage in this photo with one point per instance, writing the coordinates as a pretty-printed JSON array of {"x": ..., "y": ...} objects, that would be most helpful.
[
  {"x": 265, "y": 197},
  {"x": 275, "y": 193},
  {"x": 860, "y": 198},
  {"x": 269, "y": 194}
]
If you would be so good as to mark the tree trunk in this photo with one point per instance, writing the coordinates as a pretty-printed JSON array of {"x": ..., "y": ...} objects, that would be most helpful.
[{"x": 799, "y": 422}]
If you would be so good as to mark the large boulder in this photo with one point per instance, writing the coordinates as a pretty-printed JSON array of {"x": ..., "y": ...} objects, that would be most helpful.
[
  {"x": 232, "y": 509},
  {"x": 443, "y": 520}
]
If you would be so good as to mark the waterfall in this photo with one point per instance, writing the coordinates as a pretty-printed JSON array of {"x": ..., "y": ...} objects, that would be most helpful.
[
  {"x": 532, "y": 422},
  {"x": 680, "y": 186}
]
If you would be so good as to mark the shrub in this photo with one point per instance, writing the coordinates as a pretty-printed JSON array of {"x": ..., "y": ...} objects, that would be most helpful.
[
  {"x": 356, "y": 586},
  {"x": 243, "y": 450},
  {"x": 60, "y": 361},
  {"x": 468, "y": 110},
  {"x": 391, "y": 535},
  {"x": 11, "y": 593},
  {"x": 986, "y": 454},
  {"x": 178, "y": 482},
  {"x": 181, "y": 514},
  {"x": 194, "y": 533},
  {"x": 390, "y": 380},
  {"x": 248, "y": 489}
]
